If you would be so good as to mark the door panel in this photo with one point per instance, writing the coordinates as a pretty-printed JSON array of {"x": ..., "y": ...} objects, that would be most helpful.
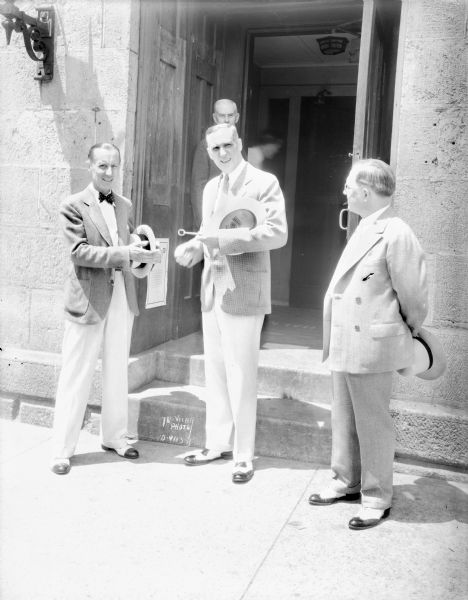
[
  {"x": 159, "y": 160},
  {"x": 326, "y": 134},
  {"x": 376, "y": 83},
  {"x": 203, "y": 83}
]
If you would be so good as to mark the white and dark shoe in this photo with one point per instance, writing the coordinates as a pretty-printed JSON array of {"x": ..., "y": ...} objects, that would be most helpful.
[
  {"x": 368, "y": 517},
  {"x": 242, "y": 472},
  {"x": 205, "y": 456}
]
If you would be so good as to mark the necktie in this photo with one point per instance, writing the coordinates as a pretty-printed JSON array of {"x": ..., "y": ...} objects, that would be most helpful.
[
  {"x": 109, "y": 198},
  {"x": 221, "y": 200}
]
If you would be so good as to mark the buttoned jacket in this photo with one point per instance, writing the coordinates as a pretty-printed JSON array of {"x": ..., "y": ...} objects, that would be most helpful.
[
  {"x": 376, "y": 297},
  {"x": 89, "y": 284},
  {"x": 240, "y": 270}
]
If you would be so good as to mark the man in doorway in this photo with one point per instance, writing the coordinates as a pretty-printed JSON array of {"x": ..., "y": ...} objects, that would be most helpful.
[
  {"x": 204, "y": 169},
  {"x": 235, "y": 296},
  {"x": 100, "y": 303},
  {"x": 375, "y": 303}
]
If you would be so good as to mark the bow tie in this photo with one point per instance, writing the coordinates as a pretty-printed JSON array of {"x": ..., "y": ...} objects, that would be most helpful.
[{"x": 109, "y": 198}]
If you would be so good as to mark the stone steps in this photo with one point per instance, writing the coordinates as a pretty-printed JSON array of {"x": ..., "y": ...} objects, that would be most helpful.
[{"x": 166, "y": 390}]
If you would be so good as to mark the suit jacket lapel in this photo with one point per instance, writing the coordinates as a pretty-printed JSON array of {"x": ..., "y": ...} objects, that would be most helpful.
[
  {"x": 360, "y": 243},
  {"x": 96, "y": 215}
]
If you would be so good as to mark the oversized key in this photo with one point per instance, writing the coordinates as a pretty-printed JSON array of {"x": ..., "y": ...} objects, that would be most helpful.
[{"x": 182, "y": 232}]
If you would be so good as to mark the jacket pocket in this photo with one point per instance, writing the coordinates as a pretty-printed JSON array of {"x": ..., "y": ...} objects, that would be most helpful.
[
  {"x": 77, "y": 295},
  {"x": 381, "y": 330}
]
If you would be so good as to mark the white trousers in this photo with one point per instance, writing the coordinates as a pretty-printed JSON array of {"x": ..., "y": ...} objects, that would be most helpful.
[
  {"x": 363, "y": 437},
  {"x": 80, "y": 352},
  {"x": 231, "y": 345}
]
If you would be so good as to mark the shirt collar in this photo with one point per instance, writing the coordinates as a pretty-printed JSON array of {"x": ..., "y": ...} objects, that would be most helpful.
[{"x": 373, "y": 216}]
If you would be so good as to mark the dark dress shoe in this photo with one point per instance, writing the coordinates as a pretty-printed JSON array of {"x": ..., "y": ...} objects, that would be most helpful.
[
  {"x": 193, "y": 460},
  {"x": 128, "y": 452},
  {"x": 242, "y": 476},
  {"x": 358, "y": 523},
  {"x": 317, "y": 500},
  {"x": 61, "y": 468}
]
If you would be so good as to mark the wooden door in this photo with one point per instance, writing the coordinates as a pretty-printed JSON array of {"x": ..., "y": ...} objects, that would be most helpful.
[
  {"x": 205, "y": 62},
  {"x": 160, "y": 159},
  {"x": 376, "y": 83}
]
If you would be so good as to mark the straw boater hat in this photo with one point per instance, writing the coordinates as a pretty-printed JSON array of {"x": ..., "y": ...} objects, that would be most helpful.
[
  {"x": 143, "y": 233},
  {"x": 429, "y": 357},
  {"x": 241, "y": 212}
]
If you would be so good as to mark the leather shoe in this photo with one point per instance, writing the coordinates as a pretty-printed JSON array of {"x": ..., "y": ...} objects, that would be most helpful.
[
  {"x": 61, "y": 466},
  {"x": 193, "y": 460},
  {"x": 241, "y": 473},
  {"x": 317, "y": 500},
  {"x": 358, "y": 523},
  {"x": 124, "y": 452}
]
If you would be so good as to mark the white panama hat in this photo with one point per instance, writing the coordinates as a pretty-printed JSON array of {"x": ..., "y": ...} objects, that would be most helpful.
[{"x": 429, "y": 357}]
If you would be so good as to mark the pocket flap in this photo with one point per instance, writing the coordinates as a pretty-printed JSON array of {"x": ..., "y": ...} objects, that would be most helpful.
[{"x": 379, "y": 330}]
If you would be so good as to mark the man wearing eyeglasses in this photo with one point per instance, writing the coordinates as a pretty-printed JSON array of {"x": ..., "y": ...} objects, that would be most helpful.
[{"x": 375, "y": 303}]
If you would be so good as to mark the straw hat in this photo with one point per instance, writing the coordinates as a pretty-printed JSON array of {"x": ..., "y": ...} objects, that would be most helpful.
[
  {"x": 241, "y": 212},
  {"x": 429, "y": 357},
  {"x": 143, "y": 233}
]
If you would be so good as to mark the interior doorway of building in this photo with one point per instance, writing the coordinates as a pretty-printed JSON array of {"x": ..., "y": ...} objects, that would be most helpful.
[{"x": 308, "y": 99}]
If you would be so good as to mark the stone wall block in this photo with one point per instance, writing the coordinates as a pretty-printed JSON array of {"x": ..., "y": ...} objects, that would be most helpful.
[
  {"x": 49, "y": 257},
  {"x": 21, "y": 375},
  {"x": 66, "y": 136},
  {"x": 16, "y": 242},
  {"x": 79, "y": 24},
  {"x": 18, "y": 195},
  {"x": 450, "y": 290},
  {"x": 443, "y": 18},
  {"x": 434, "y": 73},
  {"x": 449, "y": 389},
  {"x": 46, "y": 320},
  {"x": 433, "y": 143},
  {"x": 54, "y": 186},
  {"x": 36, "y": 414},
  {"x": 436, "y": 210},
  {"x": 14, "y": 315},
  {"x": 121, "y": 25},
  {"x": 19, "y": 70}
]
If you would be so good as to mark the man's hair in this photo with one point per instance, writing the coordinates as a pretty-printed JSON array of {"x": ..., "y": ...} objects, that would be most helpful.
[
  {"x": 234, "y": 105},
  {"x": 222, "y": 126},
  {"x": 104, "y": 146},
  {"x": 376, "y": 174}
]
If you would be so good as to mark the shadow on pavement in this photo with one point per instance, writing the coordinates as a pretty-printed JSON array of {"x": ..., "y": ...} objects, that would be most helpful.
[{"x": 429, "y": 501}]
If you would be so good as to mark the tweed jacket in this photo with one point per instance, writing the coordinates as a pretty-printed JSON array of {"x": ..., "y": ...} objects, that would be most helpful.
[
  {"x": 376, "y": 297},
  {"x": 240, "y": 270},
  {"x": 89, "y": 285}
]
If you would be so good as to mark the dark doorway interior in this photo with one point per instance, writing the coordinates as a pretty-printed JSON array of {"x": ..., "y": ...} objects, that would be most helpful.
[{"x": 326, "y": 133}]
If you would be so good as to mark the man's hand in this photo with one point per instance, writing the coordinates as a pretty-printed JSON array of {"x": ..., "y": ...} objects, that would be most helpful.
[
  {"x": 210, "y": 239},
  {"x": 139, "y": 254},
  {"x": 187, "y": 255}
]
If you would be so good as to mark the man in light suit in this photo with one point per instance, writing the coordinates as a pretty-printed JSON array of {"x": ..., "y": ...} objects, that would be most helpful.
[
  {"x": 100, "y": 303},
  {"x": 203, "y": 168},
  {"x": 235, "y": 296},
  {"x": 375, "y": 303}
]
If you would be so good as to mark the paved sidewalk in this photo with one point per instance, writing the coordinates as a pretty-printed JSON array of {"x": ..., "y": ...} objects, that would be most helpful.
[{"x": 154, "y": 529}]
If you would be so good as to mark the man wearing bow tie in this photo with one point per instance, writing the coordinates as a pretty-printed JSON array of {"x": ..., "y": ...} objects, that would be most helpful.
[
  {"x": 375, "y": 303},
  {"x": 100, "y": 304},
  {"x": 235, "y": 297}
]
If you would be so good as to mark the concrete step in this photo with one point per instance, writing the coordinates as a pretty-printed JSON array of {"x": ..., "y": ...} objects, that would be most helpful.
[
  {"x": 293, "y": 412},
  {"x": 283, "y": 372},
  {"x": 289, "y": 428},
  {"x": 175, "y": 414}
]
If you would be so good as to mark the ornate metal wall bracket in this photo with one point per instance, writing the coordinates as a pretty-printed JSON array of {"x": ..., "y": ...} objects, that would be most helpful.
[{"x": 38, "y": 35}]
